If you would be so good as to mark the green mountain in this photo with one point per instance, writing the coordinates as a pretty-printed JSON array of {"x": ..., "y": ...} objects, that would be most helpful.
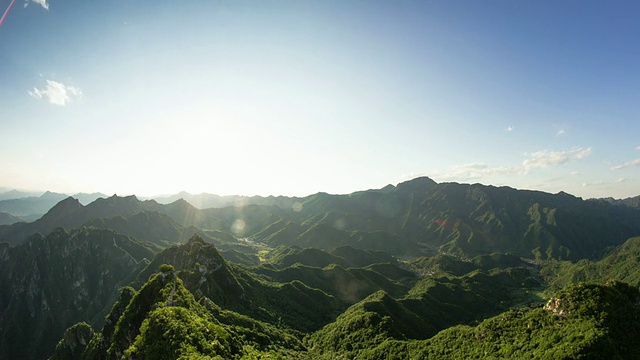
[
  {"x": 121, "y": 213},
  {"x": 163, "y": 320},
  {"x": 49, "y": 283},
  {"x": 205, "y": 272},
  {"x": 470, "y": 220},
  {"x": 148, "y": 226},
  {"x": 633, "y": 202},
  {"x": 414, "y": 217},
  {"x": 433, "y": 304},
  {"x": 171, "y": 316},
  {"x": 397, "y": 272},
  {"x": 621, "y": 264},
  {"x": 345, "y": 256},
  {"x": 584, "y": 321},
  {"x": 423, "y": 216}
]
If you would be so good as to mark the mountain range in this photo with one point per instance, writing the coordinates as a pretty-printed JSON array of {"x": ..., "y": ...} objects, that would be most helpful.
[
  {"x": 415, "y": 217},
  {"x": 400, "y": 271},
  {"x": 18, "y": 194},
  {"x": 27, "y": 207},
  {"x": 206, "y": 201}
]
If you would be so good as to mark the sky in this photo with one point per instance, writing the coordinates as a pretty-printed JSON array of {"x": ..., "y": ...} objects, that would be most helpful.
[{"x": 296, "y": 97}]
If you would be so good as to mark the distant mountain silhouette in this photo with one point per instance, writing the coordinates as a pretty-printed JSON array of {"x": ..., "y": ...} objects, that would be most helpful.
[
  {"x": 8, "y": 219},
  {"x": 207, "y": 201},
  {"x": 85, "y": 198},
  {"x": 28, "y": 207},
  {"x": 31, "y": 205},
  {"x": 633, "y": 202},
  {"x": 17, "y": 194}
]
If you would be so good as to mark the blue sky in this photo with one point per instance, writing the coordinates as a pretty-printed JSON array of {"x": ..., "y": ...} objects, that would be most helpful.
[{"x": 295, "y": 97}]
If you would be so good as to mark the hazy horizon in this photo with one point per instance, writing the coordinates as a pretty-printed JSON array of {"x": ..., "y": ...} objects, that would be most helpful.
[
  {"x": 165, "y": 195},
  {"x": 294, "y": 98}
]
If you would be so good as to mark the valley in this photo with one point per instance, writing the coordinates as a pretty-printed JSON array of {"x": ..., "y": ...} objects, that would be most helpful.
[{"x": 415, "y": 270}]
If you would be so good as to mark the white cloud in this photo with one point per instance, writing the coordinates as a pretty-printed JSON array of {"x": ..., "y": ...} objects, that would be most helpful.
[
  {"x": 621, "y": 180},
  {"x": 544, "y": 158},
  {"x": 537, "y": 160},
  {"x": 509, "y": 128},
  {"x": 631, "y": 163},
  {"x": 56, "y": 93},
  {"x": 42, "y": 3},
  {"x": 637, "y": 147}
]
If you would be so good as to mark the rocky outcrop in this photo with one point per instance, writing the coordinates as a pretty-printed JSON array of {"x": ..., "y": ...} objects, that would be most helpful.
[{"x": 557, "y": 306}]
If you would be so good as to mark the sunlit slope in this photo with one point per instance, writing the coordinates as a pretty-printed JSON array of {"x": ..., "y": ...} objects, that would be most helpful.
[
  {"x": 164, "y": 320},
  {"x": 433, "y": 304},
  {"x": 621, "y": 264},
  {"x": 475, "y": 219},
  {"x": 581, "y": 321}
]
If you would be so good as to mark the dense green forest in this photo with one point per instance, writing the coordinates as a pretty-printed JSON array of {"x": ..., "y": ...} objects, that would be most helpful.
[{"x": 417, "y": 270}]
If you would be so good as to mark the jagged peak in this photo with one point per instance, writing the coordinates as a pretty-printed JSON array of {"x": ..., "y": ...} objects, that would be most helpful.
[
  {"x": 130, "y": 197},
  {"x": 180, "y": 201},
  {"x": 114, "y": 201},
  {"x": 64, "y": 207},
  {"x": 126, "y": 197},
  {"x": 195, "y": 239},
  {"x": 566, "y": 194},
  {"x": 69, "y": 200},
  {"x": 379, "y": 295}
]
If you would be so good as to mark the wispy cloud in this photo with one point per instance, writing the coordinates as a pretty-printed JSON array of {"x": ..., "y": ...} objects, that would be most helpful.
[
  {"x": 631, "y": 163},
  {"x": 605, "y": 183},
  {"x": 472, "y": 171},
  {"x": 42, "y": 3},
  {"x": 509, "y": 128},
  {"x": 596, "y": 183},
  {"x": 536, "y": 160},
  {"x": 544, "y": 158},
  {"x": 561, "y": 129},
  {"x": 56, "y": 93}
]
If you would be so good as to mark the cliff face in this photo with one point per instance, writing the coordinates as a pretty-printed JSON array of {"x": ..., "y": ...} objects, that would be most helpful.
[
  {"x": 49, "y": 283},
  {"x": 202, "y": 268}
]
